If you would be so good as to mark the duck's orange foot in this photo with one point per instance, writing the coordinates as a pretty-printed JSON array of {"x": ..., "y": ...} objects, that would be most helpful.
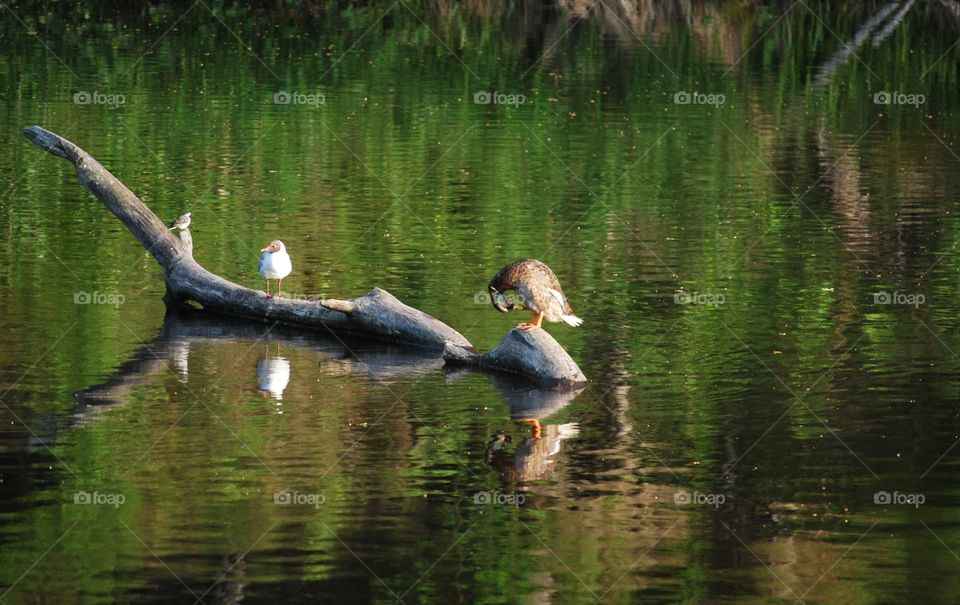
[
  {"x": 536, "y": 427},
  {"x": 526, "y": 327}
]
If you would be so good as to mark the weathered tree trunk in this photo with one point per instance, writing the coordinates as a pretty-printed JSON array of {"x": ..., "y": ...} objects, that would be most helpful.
[{"x": 378, "y": 314}]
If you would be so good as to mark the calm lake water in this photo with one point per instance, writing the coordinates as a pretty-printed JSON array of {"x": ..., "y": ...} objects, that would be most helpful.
[{"x": 754, "y": 209}]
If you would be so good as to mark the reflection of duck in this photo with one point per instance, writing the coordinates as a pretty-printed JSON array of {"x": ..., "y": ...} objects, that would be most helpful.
[
  {"x": 539, "y": 290},
  {"x": 228, "y": 590},
  {"x": 535, "y": 456},
  {"x": 273, "y": 374}
]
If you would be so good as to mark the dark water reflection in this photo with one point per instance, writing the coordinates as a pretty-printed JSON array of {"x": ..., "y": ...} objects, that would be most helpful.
[{"x": 768, "y": 284}]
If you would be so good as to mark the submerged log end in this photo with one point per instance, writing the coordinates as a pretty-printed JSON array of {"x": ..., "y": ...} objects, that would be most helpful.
[
  {"x": 455, "y": 354},
  {"x": 534, "y": 354}
]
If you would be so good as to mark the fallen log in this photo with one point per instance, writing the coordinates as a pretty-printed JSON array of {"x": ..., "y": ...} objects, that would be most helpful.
[
  {"x": 378, "y": 314},
  {"x": 533, "y": 354}
]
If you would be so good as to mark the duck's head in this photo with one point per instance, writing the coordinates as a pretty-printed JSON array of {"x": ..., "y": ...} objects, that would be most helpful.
[
  {"x": 500, "y": 300},
  {"x": 274, "y": 246}
]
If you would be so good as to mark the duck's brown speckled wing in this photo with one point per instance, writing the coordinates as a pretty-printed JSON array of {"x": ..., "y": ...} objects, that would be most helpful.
[{"x": 537, "y": 276}]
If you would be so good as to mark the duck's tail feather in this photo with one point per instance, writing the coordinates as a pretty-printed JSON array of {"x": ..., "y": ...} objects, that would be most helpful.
[{"x": 571, "y": 320}]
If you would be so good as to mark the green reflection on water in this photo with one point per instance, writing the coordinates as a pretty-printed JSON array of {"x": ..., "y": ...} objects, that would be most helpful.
[{"x": 795, "y": 201}]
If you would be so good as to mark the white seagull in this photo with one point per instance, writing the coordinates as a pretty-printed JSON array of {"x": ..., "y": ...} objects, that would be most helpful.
[{"x": 275, "y": 264}]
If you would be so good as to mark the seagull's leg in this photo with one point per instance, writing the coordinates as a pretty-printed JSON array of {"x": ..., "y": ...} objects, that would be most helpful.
[
  {"x": 279, "y": 287},
  {"x": 268, "y": 289}
]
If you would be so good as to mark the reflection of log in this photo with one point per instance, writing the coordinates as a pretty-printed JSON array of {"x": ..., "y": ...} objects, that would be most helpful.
[
  {"x": 840, "y": 58},
  {"x": 528, "y": 403},
  {"x": 183, "y": 328},
  {"x": 230, "y": 584},
  {"x": 377, "y": 314},
  {"x": 534, "y": 354},
  {"x": 953, "y": 7},
  {"x": 881, "y": 35}
]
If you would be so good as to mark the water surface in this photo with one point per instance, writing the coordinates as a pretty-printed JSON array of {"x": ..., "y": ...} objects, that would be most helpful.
[{"x": 768, "y": 283}]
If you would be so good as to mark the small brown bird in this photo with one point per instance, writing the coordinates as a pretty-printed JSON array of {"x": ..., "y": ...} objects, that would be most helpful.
[
  {"x": 182, "y": 222},
  {"x": 538, "y": 290}
]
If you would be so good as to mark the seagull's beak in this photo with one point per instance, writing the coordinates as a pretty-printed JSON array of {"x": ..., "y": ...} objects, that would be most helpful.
[{"x": 267, "y": 249}]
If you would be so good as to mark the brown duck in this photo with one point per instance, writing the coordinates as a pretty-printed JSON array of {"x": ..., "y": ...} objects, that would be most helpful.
[{"x": 537, "y": 288}]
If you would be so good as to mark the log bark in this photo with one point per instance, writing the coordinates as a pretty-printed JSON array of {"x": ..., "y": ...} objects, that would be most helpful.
[
  {"x": 378, "y": 314},
  {"x": 533, "y": 354}
]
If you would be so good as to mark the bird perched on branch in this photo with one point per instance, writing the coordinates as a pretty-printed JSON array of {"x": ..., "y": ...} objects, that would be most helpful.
[
  {"x": 275, "y": 264},
  {"x": 182, "y": 222},
  {"x": 538, "y": 290}
]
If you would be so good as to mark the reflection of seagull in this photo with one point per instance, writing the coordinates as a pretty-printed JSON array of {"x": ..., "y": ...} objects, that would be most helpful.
[
  {"x": 539, "y": 290},
  {"x": 273, "y": 375},
  {"x": 275, "y": 264},
  {"x": 182, "y": 222}
]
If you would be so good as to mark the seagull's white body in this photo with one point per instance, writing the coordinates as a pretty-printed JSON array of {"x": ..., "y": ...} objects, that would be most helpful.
[{"x": 275, "y": 265}]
